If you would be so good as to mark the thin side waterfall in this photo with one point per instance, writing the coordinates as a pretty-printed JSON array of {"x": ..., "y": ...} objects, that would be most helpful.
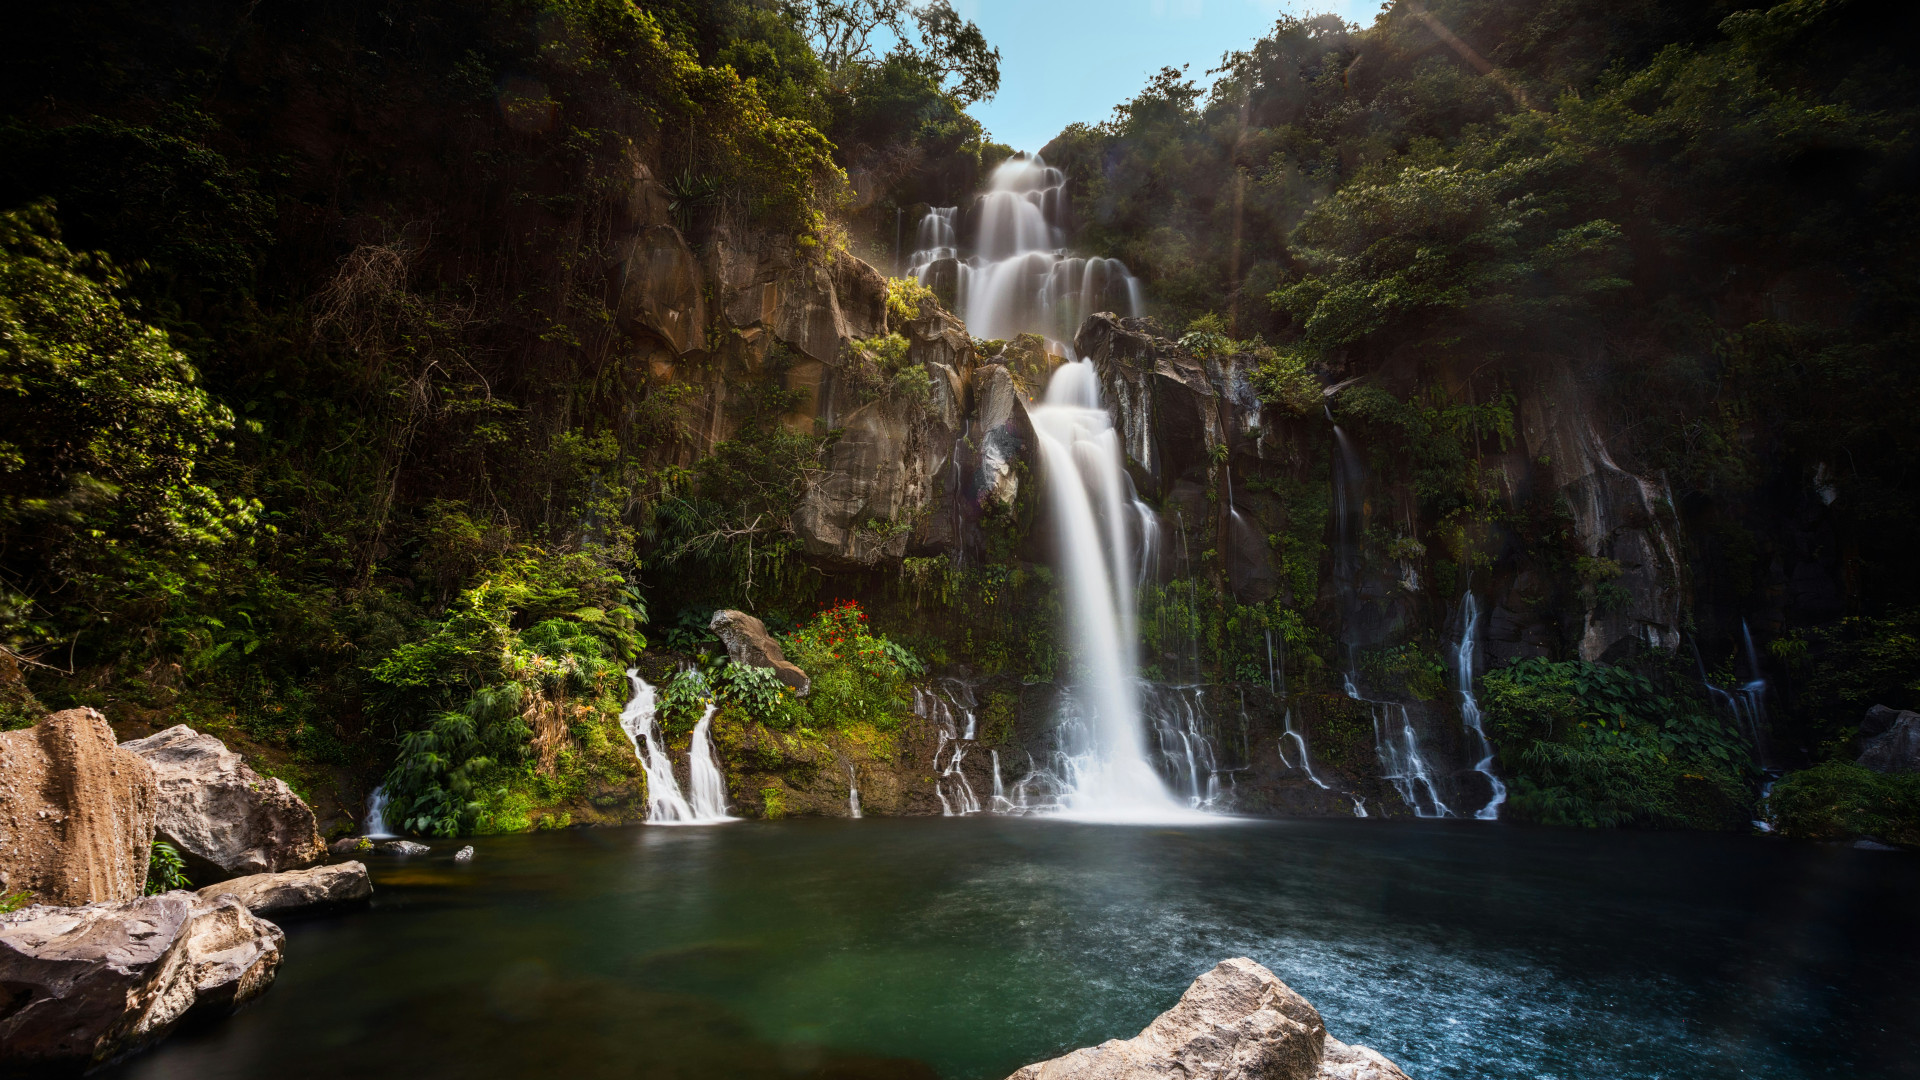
[
  {"x": 1470, "y": 708},
  {"x": 1300, "y": 742},
  {"x": 1105, "y": 772},
  {"x": 377, "y": 815},
  {"x": 665, "y": 804},
  {"x": 853, "y": 792},
  {"x": 709, "y": 787},
  {"x": 1395, "y": 741}
]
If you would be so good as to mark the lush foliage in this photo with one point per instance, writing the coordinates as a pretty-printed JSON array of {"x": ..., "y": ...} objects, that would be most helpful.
[
  {"x": 858, "y": 677},
  {"x": 1840, "y": 801},
  {"x": 1602, "y": 746},
  {"x": 166, "y": 870}
]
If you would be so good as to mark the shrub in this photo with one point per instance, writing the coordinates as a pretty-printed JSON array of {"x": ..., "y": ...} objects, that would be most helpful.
[
  {"x": 1838, "y": 800},
  {"x": 166, "y": 870},
  {"x": 857, "y": 677}
]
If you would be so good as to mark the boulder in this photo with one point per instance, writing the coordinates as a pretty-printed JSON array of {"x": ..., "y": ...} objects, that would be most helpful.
[
  {"x": 465, "y": 854},
  {"x": 225, "y": 818},
  {"x": 272, "y": 894},
  {"x": 1343, "y": 1062},
  {"x": 351, "y": 845},
  {"x": 76, "y": 812},
  {"x": 404, "y": 847},
  {"x": 1236, "y": 1022},
  {"x": 749, "y": 643},
  {"x": 1006, "y": 436},
  {"x": 1895, "y": 746},
  {"x": 81, "y": 986}
]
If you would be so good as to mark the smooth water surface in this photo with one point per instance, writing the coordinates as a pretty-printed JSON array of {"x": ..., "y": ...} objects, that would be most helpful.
[{"x": 965, "y": 948}]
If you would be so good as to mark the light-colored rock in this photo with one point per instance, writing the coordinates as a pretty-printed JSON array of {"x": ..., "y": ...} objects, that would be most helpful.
[
  {"x": 225, "y": 818},
  {"x": 1893, "y": 740},
  {"x": 465, "y": 854},
  {"x": 84, "y": 985},
  {"x": 1343, "y": 1062},
  {"x": 404, "y": 847},
  {"x": 271, "y": 894},
  {"x": 1006, "y": 436},
  {"x": 1236, "y": 1022},
  {"x": 749, "y": 643},
  {"x": 76, "y": 812}
]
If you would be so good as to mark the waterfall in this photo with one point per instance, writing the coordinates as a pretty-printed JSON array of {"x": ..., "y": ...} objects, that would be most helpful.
[
  {"x": 853, "y": 792},
  {"x": 709, "y": 787},
  {"x": 665, "y": 804},
  {"x": 1470, "y": 709},
  {"x": 377, "y": 815},
  {"x": 1020, "y": 277},
  {"x": 1395, "y": 741},
  {"x": 1300, "y": 741},
  {"x": 1106, "y": 774}
]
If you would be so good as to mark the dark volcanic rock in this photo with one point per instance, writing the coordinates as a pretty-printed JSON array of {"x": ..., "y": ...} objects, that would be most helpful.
[
  {"x": 82, "y": 986},
  {"x": 1895, "y": 746}
]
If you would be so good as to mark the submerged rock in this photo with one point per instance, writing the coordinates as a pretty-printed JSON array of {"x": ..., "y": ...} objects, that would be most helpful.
[
  {"x": 85, "y": 985},
  {"x": 749, "y": 643},
  {"x": 221, "y": 814},
  {"x": 1892, "y": 740},
  {"x": 351, "y": 845},
  {"x": 1236, "y": 1022},
  {"x": 272, "y": 894},
  {"x": 76, "y": 812},
  {"x": 404, "y": 847}
]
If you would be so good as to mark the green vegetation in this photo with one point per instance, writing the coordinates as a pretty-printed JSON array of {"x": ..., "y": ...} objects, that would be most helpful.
[
  {"x": 1603, "y": 747},
  {"x": 166, "y": 870},
  {"x": 15, "y": 901},
  {"x": 1839, "y": 801}
]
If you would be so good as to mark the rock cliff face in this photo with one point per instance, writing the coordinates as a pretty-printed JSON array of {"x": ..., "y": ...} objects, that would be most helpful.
[
  {"x": 76, "y": 812},
  {"x": 225, "y": 818}
]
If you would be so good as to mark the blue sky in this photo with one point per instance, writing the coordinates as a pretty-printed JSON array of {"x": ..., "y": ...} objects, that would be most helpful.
[{"x": 1068, "y": 60}]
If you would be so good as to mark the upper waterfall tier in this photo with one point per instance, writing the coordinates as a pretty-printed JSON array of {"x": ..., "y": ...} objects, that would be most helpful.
[{"x": 1019, "y": 278}]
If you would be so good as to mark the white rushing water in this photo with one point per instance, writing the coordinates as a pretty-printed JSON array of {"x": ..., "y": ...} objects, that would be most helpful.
[
  {"x": 376, "y": 827},
  {"x": 1470, "y": 709},
  {"x": 665, "y": 804}
]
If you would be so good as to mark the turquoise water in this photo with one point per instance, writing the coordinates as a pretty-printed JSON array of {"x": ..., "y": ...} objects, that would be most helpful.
[{"x": 963, "y": 949}]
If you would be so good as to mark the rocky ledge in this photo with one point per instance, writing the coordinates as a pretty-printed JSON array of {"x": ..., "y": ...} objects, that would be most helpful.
[
  {"x": 1236, "y": 1022},
  {"x": 82, "y": 986},
  {"x": 275, "y": 894}
]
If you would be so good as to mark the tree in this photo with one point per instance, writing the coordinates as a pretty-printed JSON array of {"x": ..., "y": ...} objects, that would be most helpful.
[{"x": 854, "y": 33}]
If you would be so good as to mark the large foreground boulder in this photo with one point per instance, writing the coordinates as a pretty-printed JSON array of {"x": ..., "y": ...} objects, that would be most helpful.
[
  {"x": 76, "y": 812},
  {"x": 1236, "y": 1022},
  {"x": 749, "y": 643},
  {"x": 276, "y": 894},
  {"x": 81, "y": 986},
  {"x": 224, "y": 817}
]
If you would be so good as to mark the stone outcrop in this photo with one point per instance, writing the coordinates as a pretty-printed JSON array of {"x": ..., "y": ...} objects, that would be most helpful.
[
  {"x": 1005, "y": 436},
  {"x": 225, "y": 818},
  {"x": 81, "y": 986},
  {"x": 1236, "y": 1022},
  {"x": 1890, "y": 740},
  {"x": 660, "y": 289},
  {"x": 293, "y": 890},
  {"x": 749, "y": 643},
  {"x": 76, "y": 812}
]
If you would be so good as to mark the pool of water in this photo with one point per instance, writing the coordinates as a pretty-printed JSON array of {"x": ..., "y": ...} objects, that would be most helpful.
[{"x": 962, "y": 949}]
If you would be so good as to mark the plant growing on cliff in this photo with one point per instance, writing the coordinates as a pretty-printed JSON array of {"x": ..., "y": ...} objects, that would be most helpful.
[{"x": 858, "y": 677}]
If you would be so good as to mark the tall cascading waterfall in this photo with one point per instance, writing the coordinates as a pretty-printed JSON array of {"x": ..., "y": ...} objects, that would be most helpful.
[
  {"x": 1463, "y": 657},
  {"x": 665, "y": 804},
  {"x": 1395, "y": 740},
  {"x": 1019, "y": 278}
]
